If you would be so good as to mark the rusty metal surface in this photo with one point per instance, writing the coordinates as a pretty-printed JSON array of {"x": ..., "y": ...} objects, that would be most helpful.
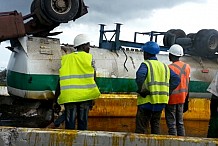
[
  {"x": 125, "y": 105},
  {"x": 40, "y": 137},
  {"x": 193, "y": 128},
  {"x": 12, "y": 25}
]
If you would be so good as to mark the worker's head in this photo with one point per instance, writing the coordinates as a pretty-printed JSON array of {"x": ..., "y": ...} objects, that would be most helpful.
[
  {"x": 82, "y": 43},
  {"x": 150, "y": 49},
  {"x": 175, "y": 52}
]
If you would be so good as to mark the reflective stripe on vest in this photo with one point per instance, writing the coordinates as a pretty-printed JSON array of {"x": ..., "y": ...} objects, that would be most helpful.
[
  {"x": 157, "y": 82},
  {"x": 77, "y": 78},
  {"x": 183, "y": 71}
]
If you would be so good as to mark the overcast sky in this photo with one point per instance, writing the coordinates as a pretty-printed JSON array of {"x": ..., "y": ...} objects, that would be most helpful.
[{"x": 136, "y": 16}]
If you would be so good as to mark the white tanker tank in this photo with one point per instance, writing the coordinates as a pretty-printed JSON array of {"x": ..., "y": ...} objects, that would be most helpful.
[
  {"x": 33, "y": 69},
  {"x": 116, "y": 70}
]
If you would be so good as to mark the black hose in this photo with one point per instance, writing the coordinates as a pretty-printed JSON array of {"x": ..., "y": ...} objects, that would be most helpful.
[{"x": 125, "y": 60}]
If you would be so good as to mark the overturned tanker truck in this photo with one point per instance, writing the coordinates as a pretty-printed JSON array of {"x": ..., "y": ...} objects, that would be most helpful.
[{"x": 32, "y": 71}]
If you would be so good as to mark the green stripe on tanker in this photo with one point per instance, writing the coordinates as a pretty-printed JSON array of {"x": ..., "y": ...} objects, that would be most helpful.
[{"x": 40, "y": 82}]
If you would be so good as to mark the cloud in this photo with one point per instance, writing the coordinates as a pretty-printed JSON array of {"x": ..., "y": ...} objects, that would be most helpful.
[
  {"x": 4, "y": 55},
  {"x": 123, "y": 10},
  {"x": 22, "y": 6},
  {"x": 138, "y": 15},
  {"x": 107, "y": 10},
  {"x": 135, "y": 15}
]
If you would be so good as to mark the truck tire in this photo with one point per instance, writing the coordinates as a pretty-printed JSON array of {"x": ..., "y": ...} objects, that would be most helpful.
[
  {"x": 167, "y": 36},
  {"x": 171, "y": 36},
  {"x": 60, "y": 11},
  {"x": 191, "y": 36},
  {"x": 36, "y": 9},
  {"x": 206, "y": 42}
]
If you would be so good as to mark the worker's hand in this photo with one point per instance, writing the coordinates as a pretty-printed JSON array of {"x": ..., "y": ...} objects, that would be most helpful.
[
  {"x": 92, "y": 104},
  {"x": 57, "y": 108},
  {"x": 144, "y": 93},
  {"x": 185, "y": 106}
]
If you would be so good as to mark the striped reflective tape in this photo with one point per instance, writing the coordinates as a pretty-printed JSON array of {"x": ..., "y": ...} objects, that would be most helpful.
[
  {"x": 153, "y": 82},
  {"x": 159, "y": 93},
  {"x": 78, "y": 86},
  {"x": 76, "y": 76},
  {"x": 182, "y": 70},
  {"x": 179, "y": 91}
]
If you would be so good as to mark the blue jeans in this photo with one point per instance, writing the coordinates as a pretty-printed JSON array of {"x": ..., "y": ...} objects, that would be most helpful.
[
  {"x": 174, "y": 119},
  {"x": 144, "y": 118},
  {"x": 59, "y": 120},
  {"x": 77, "y": 111}
]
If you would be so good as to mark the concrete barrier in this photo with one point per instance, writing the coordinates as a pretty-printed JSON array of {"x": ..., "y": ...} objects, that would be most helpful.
[{"x": 10, "y": 136}]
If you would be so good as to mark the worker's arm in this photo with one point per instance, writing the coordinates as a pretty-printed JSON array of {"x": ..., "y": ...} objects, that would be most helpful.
[
  {"x": 56, "y": 106},
  {"x": 93, "y": 65},
  {"x": 174, "y": 81},
  {"x": 141, "y": 75},
  {"x": 57, "y": 91},
  {"x": 185, "y": 106}
]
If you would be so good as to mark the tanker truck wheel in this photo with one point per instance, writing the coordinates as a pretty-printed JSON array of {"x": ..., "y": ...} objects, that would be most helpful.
[
  {"x": 206, "y": 42},
  {"x": 192, "y": 37},
  {"x": 171, "y": 36},
  {"x": 166, "y": 37},
  {"x": 36, "y": 8},
  {"x": 60, "y": 11}
]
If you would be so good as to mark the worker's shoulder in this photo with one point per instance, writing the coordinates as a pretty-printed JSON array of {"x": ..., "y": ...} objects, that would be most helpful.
[
  {"x": 184, "y": 62},
  {"x": 187, "y": 65}
]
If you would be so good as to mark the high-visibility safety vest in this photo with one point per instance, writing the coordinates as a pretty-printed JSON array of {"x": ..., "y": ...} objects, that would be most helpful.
[
  {"x": 77, "y": 78},
  {"x": 157, "y": 82},
  {"x": 183, "y": 71}
]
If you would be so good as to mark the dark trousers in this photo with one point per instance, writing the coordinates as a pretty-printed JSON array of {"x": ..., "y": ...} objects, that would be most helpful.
[
  {"x": 59, "y": 120},
  {"x": 213, "y": 123},
  {"x": 77, "y": 111},
  {"x": 146, "y": 118},
  {"x": 174, "y": 119}
]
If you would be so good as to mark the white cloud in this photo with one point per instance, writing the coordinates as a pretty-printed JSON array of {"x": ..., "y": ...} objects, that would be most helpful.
[
  {"x": 74, "y": 29},
  {"x": 4, "y": 55},
  {"x": 189, "y": 17}
]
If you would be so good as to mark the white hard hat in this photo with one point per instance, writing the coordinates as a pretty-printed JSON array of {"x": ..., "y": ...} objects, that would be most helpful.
[
  {"x": 176, "y": 50},
  {"x": 81, "y": 39}
]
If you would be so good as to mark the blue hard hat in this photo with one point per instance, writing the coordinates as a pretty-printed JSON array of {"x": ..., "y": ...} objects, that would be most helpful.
[{"x": 151, "y": 47}]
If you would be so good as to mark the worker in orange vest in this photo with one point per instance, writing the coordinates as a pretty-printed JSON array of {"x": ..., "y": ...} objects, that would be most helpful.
[{"x": 174, "y": 109}]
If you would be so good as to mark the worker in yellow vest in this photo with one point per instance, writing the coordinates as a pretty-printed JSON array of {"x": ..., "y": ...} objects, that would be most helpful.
[
  {"x": 155, "y": 82},
  {"x": 174, "y": 109},
  {"x": 78, "y": 88}
]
